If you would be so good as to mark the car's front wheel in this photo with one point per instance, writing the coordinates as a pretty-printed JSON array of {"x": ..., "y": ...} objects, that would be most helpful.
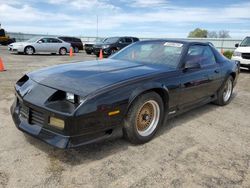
[
  {"x": 144, "y": 118},
  {"x": 29, "y": 50},
  {"x": 63, "y": 51},
  {"x": 225, "y": 92}
]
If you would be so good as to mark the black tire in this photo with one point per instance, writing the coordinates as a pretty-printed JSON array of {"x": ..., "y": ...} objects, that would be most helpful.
[
  {"x": 221, "y": 101},
  {"x": 88, "y": 53},
  {"x": 29, "y": 50},
  {"x": 62, "y": 51},
  {"x": 130, "y": 129},
  {"x": 76, "y": 50}
]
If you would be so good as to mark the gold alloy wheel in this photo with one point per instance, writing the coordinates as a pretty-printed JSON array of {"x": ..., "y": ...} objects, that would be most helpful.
[{"x": 147, "y": 118}]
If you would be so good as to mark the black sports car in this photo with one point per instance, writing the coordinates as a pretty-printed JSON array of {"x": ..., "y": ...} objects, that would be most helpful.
[{"x": 132, "y": 91}]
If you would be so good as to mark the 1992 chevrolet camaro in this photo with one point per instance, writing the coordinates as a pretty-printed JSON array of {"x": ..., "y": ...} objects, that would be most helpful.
[{"x": 133, "y": 91}]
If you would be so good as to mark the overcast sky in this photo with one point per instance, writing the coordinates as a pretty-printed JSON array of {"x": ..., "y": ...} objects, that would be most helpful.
[{"x": 142, "y": 18}]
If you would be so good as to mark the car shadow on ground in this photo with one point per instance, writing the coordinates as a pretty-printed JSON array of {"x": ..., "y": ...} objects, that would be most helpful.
[
  {"x": 104, "y": 149},
  {"x": 246, "y": 71}
]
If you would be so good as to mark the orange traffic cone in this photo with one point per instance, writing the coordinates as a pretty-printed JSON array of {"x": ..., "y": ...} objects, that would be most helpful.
[
  {"x": 71, "y": 52},
  {"x": 1, "y": 65},
  {"x": 101, "y": 55}
]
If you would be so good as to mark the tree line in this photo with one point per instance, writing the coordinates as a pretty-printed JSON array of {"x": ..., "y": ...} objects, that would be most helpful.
[{"x": 203, "y": 33}]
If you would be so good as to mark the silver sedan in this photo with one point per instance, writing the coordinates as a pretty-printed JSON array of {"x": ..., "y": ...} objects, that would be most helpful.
[{"x": 41, "y": 45}]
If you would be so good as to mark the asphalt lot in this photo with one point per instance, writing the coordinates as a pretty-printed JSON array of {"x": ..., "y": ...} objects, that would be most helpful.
[{"x": 206, "y": 147}]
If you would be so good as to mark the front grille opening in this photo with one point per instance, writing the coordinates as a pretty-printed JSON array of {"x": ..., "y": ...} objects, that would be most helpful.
[
  {"x": 31, "y": 115},
  {"x": 245, "y": 55},
  {"x": 24, "y": 79},
  {"x": 36, "y": 117}
]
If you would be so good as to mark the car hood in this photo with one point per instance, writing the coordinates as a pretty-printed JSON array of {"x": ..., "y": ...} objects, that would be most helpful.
[
  {"x": 99, "y": 44},
  {"x": 84, "y": 78},
  {"x": 243, "y": 49},
  {"x": 19, "y": 43}
]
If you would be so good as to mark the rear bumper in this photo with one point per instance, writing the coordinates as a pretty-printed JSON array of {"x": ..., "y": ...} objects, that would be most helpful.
[{"x": 59, "y": 140}]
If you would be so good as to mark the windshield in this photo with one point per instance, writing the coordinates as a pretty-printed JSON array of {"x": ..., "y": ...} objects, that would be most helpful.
[
  {"x": 99, "y": 40},
  {"x": 33, "y": 39},
  {"x": 245, "y": 42},
  {"x": 111, "y": 40},
  {"x": 160, "y": 52}
]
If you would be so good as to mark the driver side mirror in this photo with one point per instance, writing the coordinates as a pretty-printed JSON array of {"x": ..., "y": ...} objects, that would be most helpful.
[
  {"x": 120, "y": 42},
  {"x": 192, "y": 65},
  {"x": 40, "y": 42},
  {"x": 237, "y": 45}
]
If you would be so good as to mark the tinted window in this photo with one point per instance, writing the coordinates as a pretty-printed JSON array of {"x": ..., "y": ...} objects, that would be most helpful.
[
  {"x": 201, "y": 54},
  {"x": 167, "y": 53},
  {"x": 111, "y": 40},
  {"x": 135, "y": 39},
  {"x": 53, "y": 40},
  {"x": 63, "y": 38},
  {"x": 76, "y": 40},
  {"x": 128, "y": 40},
  {"x": 122, "y": 40},
  {"x": 44, "y": 40}
]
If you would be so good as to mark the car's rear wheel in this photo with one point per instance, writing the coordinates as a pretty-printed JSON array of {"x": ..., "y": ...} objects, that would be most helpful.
[
  {"x": 76, "y": 50},
  {"x": 29, "y": 50},
  {"x": 63, "y": 51},
  {"x": 144, "y": 118},
  {"x": 225, "y": 92}
]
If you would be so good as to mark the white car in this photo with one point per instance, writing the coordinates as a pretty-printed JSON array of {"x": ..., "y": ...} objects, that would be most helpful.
[
  {"x": 242, "y": 53},
  {"x": 41, "y": 45}
]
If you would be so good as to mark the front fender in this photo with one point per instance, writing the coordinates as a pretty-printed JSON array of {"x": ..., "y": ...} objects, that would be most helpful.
[{"x": 159, "y": 88}]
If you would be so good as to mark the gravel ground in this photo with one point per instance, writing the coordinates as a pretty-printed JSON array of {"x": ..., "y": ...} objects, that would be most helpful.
[{"x": 206, "y": 147}]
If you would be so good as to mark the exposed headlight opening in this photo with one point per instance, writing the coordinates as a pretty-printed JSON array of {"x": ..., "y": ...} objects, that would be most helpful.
[
  {"x": 24, "y": 79},
  {"x": 75, "y": 98},
  {"x": 71, "y": 97}
]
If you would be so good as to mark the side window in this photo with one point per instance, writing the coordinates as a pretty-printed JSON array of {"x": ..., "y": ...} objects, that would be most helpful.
[
  {"x": 122, "y": 40},
  {"x": 128, "y": 40},
  {"x": 76, "y": 40},
  {"x": 201, "y": 54},
  {"x": 52, "y": 40},
  {"x": 44, "y": 40}
]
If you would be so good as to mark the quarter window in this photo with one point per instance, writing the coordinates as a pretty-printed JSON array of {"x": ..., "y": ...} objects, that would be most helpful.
[{"x": 201, "y": 54}]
